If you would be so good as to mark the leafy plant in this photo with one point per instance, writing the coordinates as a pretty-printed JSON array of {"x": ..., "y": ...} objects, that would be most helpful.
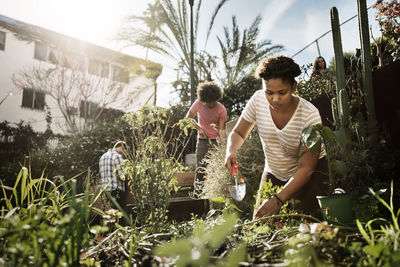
[
  {"x": 228, "y": 206},
  {"x": 268, "y": 190},
  {"x": 314, "y": 136},
  {"x": 383, "y": 244},
  {"x": 198, "y": 249},
  {"x": 152, "y": 160},
  {"x": 237, "y": 94},
  {"x": 312, "y": 87},
  {"x": 318, "y": 244},
  {"x": 29, "y": 193},
  {"x": 29, "y": 236},
  {"x": 388, "y": 16}
]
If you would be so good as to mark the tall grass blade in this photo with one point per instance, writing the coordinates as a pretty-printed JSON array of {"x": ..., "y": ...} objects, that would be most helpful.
[
  {"x": 15, "y": 192},
  {"x": 362, "y": 231},
  {"x": 23, "y": 185},
  {"x": 7, "y": 201}
]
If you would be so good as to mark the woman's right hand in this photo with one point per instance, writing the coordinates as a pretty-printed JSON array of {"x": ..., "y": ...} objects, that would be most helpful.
[{"x": 231, "y": 160}]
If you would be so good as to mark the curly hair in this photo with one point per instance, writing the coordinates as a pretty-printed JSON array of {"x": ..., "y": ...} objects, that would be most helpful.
[
  {"x": 208, "y": 92},
  {"x": 278, "y": 67}
]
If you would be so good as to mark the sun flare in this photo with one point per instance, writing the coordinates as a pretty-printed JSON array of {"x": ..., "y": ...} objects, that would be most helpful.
[{"x": 91, "y": 20}]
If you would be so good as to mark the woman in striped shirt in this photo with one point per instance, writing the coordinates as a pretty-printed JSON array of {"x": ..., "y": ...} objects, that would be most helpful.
[{"x": 280, "y": 117}]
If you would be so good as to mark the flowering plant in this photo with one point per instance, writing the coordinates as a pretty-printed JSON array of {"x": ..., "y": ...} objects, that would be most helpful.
[{"x": 388, "y": 16}]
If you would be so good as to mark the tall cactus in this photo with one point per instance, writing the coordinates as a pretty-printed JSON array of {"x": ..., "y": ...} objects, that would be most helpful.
[
  {"x": 366, "y": 68},
  {"x": 340, "y": 109}
]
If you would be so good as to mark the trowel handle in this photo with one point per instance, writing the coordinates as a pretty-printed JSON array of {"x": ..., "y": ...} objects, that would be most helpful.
[{"x": 234, "y": 170}]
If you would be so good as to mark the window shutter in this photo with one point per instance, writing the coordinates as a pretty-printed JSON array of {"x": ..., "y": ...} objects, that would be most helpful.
[
  {"x": 39, "y": 100},
  {"x": 27, "y": 98}
]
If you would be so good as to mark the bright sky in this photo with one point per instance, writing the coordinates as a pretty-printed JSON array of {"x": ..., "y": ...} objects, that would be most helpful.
[{"x": 292, "y": 23}]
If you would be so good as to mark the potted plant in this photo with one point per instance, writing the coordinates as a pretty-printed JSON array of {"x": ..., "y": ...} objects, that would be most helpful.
[{"x": 336, "y": 206}]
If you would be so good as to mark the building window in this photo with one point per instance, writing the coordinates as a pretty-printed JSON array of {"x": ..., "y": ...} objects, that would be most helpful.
[
  {"x": 72, "y": 60},
  {"x": 40, "y": 51},
  {"x": 33, "y": 99},
  {"x": 120, "y": 75},
  {"x": 2, "y": 40},
  {"x": 99, "y": 68},
  {"x": 94, "y": 67},
  {"x": 54, "y": 56},
  {"x": 88, "y": 109},
  {"x": 105, "y": 69}
]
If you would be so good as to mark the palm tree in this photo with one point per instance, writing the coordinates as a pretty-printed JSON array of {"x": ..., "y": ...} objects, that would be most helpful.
[
  {"x": 168, "y": 30},
  {"x": 148, "y": 37},
  {"x": 241, "y": 51}
]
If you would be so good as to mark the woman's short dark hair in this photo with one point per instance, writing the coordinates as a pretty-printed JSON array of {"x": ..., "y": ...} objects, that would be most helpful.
[
  {"x": 278, "y": 67},
  {"x": 209, "y": 92}
]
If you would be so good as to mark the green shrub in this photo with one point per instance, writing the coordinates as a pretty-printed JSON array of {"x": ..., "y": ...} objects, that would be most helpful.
[
  {"x": 266, "y": 191},
  {"x": 44, "y": 224},
  {"x": 154, "y": 156},
  {"x": 311, "y": 87},
  {"x": 236, "y": 96}
]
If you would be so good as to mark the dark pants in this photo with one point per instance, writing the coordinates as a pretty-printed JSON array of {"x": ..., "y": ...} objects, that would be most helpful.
[
  {"x": 316, "y": 186},
  {"x": 119, "y": 197},
  {"x": 202, "y": 147}
]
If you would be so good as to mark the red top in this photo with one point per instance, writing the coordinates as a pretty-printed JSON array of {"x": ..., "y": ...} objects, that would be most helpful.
[{"x": 207, "y": 116}]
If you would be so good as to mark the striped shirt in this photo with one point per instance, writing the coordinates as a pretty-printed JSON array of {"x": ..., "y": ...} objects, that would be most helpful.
[
  {"x": 282, "y": 148},
  {"x": 110, "y": 171}
]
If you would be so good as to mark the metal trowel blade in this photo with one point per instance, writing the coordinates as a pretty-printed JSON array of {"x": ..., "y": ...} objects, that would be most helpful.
[{"x": 237, "y": 192}]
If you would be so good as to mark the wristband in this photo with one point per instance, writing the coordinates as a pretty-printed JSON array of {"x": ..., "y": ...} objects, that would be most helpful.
[{"x": 280, "y": 200}]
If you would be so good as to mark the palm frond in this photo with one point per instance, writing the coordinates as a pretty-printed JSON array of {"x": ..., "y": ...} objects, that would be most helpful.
[{"x": 214, "y": 15}]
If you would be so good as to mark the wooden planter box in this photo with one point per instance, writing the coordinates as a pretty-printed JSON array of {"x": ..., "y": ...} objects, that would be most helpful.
[
  {"x": 180, "y": 208},
  {"x": 185, "y": 178}
]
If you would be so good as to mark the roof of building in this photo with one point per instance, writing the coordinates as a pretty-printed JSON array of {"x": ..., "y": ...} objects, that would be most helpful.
[{"x": 28, "y": 32}]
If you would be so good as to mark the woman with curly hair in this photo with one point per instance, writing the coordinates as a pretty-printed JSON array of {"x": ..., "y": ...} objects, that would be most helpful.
[
  {"x": 280, "y": 117},
  {"x": 211, "y": 116}
]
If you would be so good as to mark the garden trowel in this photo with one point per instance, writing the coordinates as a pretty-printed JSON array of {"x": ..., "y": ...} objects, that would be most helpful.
[{"x": 238, "y": 190}]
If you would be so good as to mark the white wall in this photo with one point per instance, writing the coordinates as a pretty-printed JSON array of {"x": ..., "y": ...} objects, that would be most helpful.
[
  {"x": 16, "y": 55},
  {"x": 19, "y": 55}
]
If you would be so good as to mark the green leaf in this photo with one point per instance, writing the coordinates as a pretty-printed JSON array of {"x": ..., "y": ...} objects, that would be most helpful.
[
  {"x": 234, "y": 207},
  {"x": 174, "y": 248},
  {"x": 218, "y": 234},
  {"x": 362, "y": 231},
  {"x": 219, "y": 200},
  {"x": 23, "y": 184},
  {"x": 235, "y": 256},
  {"x": 374, "y": 250}
]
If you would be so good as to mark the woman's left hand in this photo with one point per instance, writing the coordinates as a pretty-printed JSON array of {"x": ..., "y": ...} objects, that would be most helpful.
[{"x": 269, "y": 207}]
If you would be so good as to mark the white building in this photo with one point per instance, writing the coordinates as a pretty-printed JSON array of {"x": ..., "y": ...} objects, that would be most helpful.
[{"x": 25, "y": 48}]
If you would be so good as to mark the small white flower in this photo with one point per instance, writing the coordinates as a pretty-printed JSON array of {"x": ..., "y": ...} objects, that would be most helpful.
[{"x": 304, "y": 228}]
